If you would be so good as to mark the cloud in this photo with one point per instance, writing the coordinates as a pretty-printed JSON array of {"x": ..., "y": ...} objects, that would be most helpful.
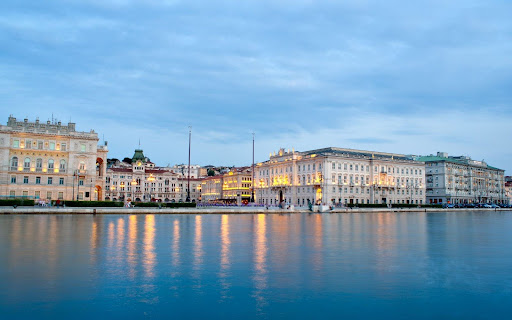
[{"x": 397, "y": 77}]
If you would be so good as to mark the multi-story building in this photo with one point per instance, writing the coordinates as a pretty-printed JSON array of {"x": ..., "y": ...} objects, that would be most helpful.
[
  {"x": 462, "y": 180},
  {"x": 143, "y": 181},
  {"x": 51, "y": 161},
  {"x": 231, "y": 187},
  {"x": 337, "y": 175}
]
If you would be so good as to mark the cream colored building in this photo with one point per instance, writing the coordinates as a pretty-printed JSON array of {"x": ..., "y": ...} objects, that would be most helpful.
[
  {"x": 143, "y": 181},
  {"x": 51, "y": 161},
  {"x": 338, "y": 175}
]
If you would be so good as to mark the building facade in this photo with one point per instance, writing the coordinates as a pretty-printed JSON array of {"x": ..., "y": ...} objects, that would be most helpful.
[
  {"x": 462, "y": 180},
  {"x": 142, "y": 181},
  {"x": 231, "y": 187},
  {"x": 51, "y": 161},
  {"x": 339, "y": 176}
]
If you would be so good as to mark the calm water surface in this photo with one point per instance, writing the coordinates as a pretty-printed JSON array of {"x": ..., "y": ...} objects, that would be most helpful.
[{"x": 352, "y": 265}]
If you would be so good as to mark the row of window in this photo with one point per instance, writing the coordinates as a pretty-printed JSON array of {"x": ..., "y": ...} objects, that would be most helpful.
[
  {"x": 37, "y": 180},
  {"x": 49, "y": 194},
  {"x": 43, "y": 145},
  {"x": 39, "y": 144}
]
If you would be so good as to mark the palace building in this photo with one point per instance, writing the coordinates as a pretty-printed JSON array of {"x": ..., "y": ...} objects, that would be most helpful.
[
  {"x": 339, "y": 176},
  {"x": 51, "y": 161}
]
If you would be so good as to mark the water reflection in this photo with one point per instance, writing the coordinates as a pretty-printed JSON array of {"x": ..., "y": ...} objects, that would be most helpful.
[
  {"x": 197, "y": 265},
  {"x": 256, "y": 265},
  {"x": 176, "y": 244},
  {"x": 260, "y": 276},
  {"x": 149, "y": 259},
  {"x": 132, "y": 245},
  {"x": 225, "y": 244}
]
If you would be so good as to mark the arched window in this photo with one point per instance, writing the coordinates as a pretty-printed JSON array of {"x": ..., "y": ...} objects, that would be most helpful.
[
  {"x": 50, "y": 164},
  {"x": 14, "y": 162},
  {"x": 26, "y": 164},
  {"x": 62, "y": 167}
]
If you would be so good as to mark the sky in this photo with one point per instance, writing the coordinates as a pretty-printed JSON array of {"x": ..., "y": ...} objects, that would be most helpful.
[{"x": 409, "y": 77}]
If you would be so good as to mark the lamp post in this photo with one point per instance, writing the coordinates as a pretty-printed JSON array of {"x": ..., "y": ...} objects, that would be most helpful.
[
  {"x": 252, "y": 181},
  {"x": 188, "y": 180}
]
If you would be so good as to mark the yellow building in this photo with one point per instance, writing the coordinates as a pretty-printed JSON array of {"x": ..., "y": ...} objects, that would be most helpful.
[
  {"x": 51, "y": 161},
  {"x": 231, "y": 187}
]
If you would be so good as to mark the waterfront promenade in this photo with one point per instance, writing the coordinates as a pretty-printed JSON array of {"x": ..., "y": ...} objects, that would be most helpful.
[{"x": 220, "y": 210}]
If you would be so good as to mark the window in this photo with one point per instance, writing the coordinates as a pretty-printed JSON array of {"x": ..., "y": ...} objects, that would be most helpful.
[
  {"x": 12, "y": 193},
  {"x": 40, "y": 145},
  {"x": 49, "y": 195},
  {"x": 81, "y": 182},
  {"x": 28, "y": 144},
  {"x": 61, "y": 196},
  {"x": 26, "y": 164},
  {"x": 39, "y": 164},
  {"x": 82, "y": 167},
  {"x": 63, "y": 146},
  {"x": 50, "y": 180},
  {"x": 25, "y": 179},
  {"x": 62, "y": 166},
  {"x": 82, "y": 147},
  {"x": 61, "y": 181},
  {"x": 50, "y": 164},
  {"x": 25, "y": 193},
  {"x": 334, "y": 165},
  {"x": 37, "y": 194},
  {"x": 16, "y": 143},
  {"x": 14, "y": 163},
  {"x": 52, "y": 145},
  {"x": 13, "y": 179},
  {"x": 38, "y": 180}
]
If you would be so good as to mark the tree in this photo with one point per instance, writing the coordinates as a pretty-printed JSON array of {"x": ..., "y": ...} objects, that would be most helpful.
[
  {"x": 211, "y": 172},
  {"x": 127, "y": 160}
]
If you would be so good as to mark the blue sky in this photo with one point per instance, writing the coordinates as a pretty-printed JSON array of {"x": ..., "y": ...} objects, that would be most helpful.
[{"x": 397, "y": 76}]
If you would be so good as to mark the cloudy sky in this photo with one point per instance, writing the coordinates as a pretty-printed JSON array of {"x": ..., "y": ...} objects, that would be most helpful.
[{"x": 413, "y": 77}]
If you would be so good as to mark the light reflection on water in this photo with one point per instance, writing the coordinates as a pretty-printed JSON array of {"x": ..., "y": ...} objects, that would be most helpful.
[{"x": 425, "y": 265}]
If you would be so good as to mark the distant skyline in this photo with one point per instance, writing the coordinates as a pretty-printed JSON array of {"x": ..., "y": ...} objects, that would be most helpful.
[{"x": 395, "y": 76}]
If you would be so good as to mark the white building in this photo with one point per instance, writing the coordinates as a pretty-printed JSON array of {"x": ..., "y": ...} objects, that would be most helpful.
[
  {"x": 51, "y": 161},
  {"x": 143, "y": 181},
  {"x": 462, "y": 180},
  {"x": 337, "y": 175}
]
